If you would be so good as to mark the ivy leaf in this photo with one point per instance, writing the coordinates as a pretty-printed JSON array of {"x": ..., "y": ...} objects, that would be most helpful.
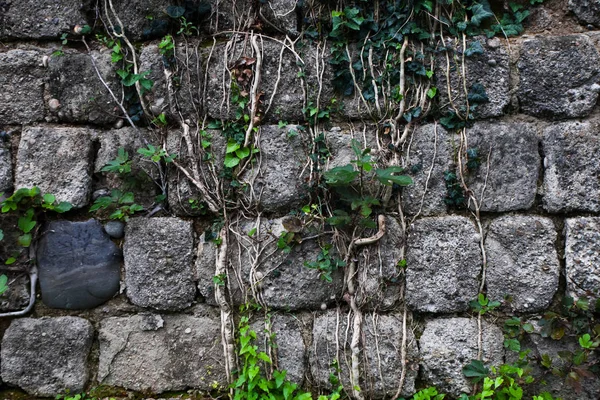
[
  {"x": 481, "y": 11},
  {"x": 3, "y": 283},
  {"x": 175, "y": 11},
  {"x": 476, "y": 370},
  {"x": 232, "y": 146},
  {"x": 512, "y": 344},
  {"x": 474, "y": 48},
  {"x": 242, "y": 152},
  {"x": 63, "y": 207},
  {"x": 340, "y": 176},
  {"x": 387, "y": 177},
  {"x": 49, "y": 198},
  {"x": 25, "y": 240},
  {"x": 231, "y": 160},
  {"x": 477, "y": 94}
]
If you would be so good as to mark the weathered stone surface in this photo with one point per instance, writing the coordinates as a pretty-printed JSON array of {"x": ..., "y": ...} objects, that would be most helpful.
[
  {"x": 73, "y": 81},
  {"x": 44, "y": 19},
  {"x": 430, "y": 157},
  {"x": 142, "y": 19},
  {"x": 379, "y": 282},
  {"x": 486, "y": 64},
  {"x": 572, "y": 176},
  {"x": 582, "y": 255},
  {"x": 523, "y": 266},
  {"x": 508, "y": 180},
  {"x": 587, "y": 11},
  {"x": 382, "y": 367},
  {"x": 280, "y": 280},
  {"x": 47, "y": 356},
  {"x": 443, "y": 264},
  {"x": 339, "y": 143},
  {"x": 79, "y": 267},
  {"x": 278, "y": 182},
  {"x": 6, "y": 170},
  {"x": 282, "y": 14},
  {"x": 205, "y": 268},
  {"x": 21, "y": 86},
  {"x": 448, "y": 345},
  {"x": 58, "y": 161},
  {"x": 162, "y": 353},
  {"x": 558, "y": 76},
  {"x": 115, "y": 229},
  {"x": 158, "y": 263},
  {"x": 287, "y": 346}
]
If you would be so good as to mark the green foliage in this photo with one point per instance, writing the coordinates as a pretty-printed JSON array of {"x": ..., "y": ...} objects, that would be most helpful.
[
  {"x": 455, "y": 195},
  {"x": 220, "y": 279},
  {"x": 3, "y": 283},
  {"x": 156, "y": 154},
  {"x": 121, "y": 204},
  {"x": 483, "y": 305},
  {"x": 120, "y": 165},
  {"x": 325, "y": 263}
]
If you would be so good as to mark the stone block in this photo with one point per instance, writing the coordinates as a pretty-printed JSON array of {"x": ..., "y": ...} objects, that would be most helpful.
[
  {"x": 509, "y": 165},
  {"x": 47, "y": 356},
  {"x": 21, "y": 86},
  {"x": 286, "y": 346},
  {"x": 282, "y": 14},
  {"x": 81, "y": 96},
  {"x": 278, "y": 181},
  {"x": 150, "y": 352},
  {"x": 430, "y": 156},
  {"x": 379, "y": 281},
  {"x": 381, "y": 362},
  {"x": 449, "y": 344},
  {"x": 276, "y": 279},
  {"x": 582, "y": 254},
  {"x": 142, "y": 19},
  {"x": 486, "y": 64},
  {"x": 6, "y": 170},
  {"x": 443, "y": 264},
  {"x": 58, "y": 161},
  {"x": 206, "y": 257},
  {"x": 523, "y": 266},
  {"x": 586, "y": 11},
  {"x": 44, "y": 19},
  {"x": 339, "y": 143},
  {"x": 158, "y": 256},
  {"x": 79, "y": 266},
  {"x": 558, "y": 76},
  {"x": 572, "y": 177}
]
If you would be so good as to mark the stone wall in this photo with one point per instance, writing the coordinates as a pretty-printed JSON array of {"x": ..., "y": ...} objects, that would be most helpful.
[{"x": 133, "y": 305}]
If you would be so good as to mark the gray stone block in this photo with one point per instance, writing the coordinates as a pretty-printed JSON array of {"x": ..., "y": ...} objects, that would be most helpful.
[
  {"x": 43, "y": 19},
  {"x": 443, "y": 264},
  {"x": 282, "y": 14},
  {"x": 158, "y": 256},
  {"x": 73, "y": 81},
  {"x": 287, "y": 348},
  {"x": 79, "y": 266},
  {"x": 278, "y": 182},
  {"x": 449, "y": 344},
  {"x": 21, "y": 86},
  {"x": 430, "y": 156},
  {"x": 6, "y": 170},
  {"x": 571, "y": 179},
  {"x": 558, "y": 76},
  {"x": 523, "y": 266},
  {"x": 582, "y": 254},
  {"x": 47, "y": 356},
  {"x": 279, "y": 280},
  {"x": 379, "y": 281},
  {"x": 586, "y": 11},
  {"x": 205, "y": 268},
  {"x": 487, "y": 66},
  {"x": 142, "y": 19},
  {"x": 509, "y": 181},
  {"x": 150, "y": 352},
  {"x": 381, "y": 362},
  {"x": 58, "y": 161}
]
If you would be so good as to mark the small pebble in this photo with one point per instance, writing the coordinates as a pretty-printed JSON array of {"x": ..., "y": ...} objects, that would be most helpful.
[
  {"x": 115, "y": 229},
  {"x": 53, "y": 105},
  {"x": 188, "y": 330},
  {"x": 323, "y": 306}
]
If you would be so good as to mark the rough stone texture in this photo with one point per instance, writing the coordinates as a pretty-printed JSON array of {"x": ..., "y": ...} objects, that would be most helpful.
[
  {"x": 73, "y": 81},
  {"x": 79, "y": 266},
  {"x": 227, "y": 15},
  {"x": 158, "y": 263},
  {"x": 16, "y": 297},
  {"x": 205, "y": 268},
  {"x": 523, "y": 266},
  {"x": 587, "y": 11},
  {"x": 339, "y": 139},
  {"x": 430, "y": 156},
  {"x": 448, "y": 345},
  {"x": 43, "y": 19},
  {"x": 287, "y": 348},
  {"x": 209, "y": 162},
  {"x": 572, "y": 175},
  {"x": 443, "y": 264},
  {"x": 278, "y": 183},
  {"x": 381, "y": 371},
  {"x": 510, "y": 182},
  {"x": 280, "y": 280},
  {"x": 21, "y": 86},
  {"x": 489, "y": 69},
  {"x": 6, "y": 170},
  {"x": 379, "y": 282},
  {"x": 282, "y": 14},
  {"x": 558, "y": 76},
  {"x": 582, "y": 254},
  {"x": 162, "y": 353},
  {"x": 47, "y": 356},
  {"x": 58, "y": 161},
  {"x": 142, "y": 19}
]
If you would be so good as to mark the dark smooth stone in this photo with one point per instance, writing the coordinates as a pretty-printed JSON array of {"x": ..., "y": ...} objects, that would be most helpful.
[
  {"x": 115, "y": 229},
  {"x": 79, "y": 266}
]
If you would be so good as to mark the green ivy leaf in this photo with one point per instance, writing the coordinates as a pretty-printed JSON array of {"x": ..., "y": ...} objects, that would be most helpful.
[
  {"x": 340, "y": 176},
  {"x": 231, "y": 160},
  {"x": 481, "y": 11},
  {"x": 25, "y": 240},
  {"x": 386, "y": 176},
  {"x": 3, "y": 283},
  {"x": 476, "y": 370}
]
